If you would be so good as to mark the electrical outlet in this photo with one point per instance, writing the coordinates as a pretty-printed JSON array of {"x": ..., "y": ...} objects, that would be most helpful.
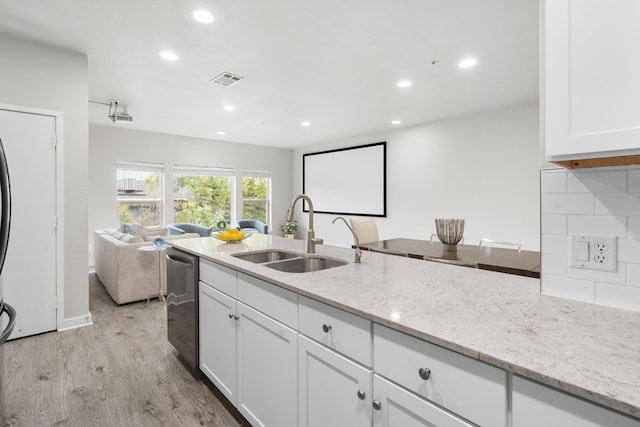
[
  {"x": 600, "y": 259},
  {"x": 594, "y": 253},
  {"x": 600, "y": 246}
]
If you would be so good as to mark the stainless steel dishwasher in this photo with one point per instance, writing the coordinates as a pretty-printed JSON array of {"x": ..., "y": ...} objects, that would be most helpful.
[{"x": 182, "y": 303}]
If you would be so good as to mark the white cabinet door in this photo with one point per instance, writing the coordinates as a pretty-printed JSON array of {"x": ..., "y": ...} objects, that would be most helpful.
[
  {"x": 267, "y": 370},
  {"x": 218, "y": 324},
  {"x": 591, "y": 89},
  {"x": 334, "y": 391},
  {"x": 396, "y": 407},
  {"x": 535, "y": 405}
]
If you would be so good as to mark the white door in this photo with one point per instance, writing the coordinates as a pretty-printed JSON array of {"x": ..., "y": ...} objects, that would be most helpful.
[
  {"x": 29, "y": 274},
  {"x": 217, "y": 324},
  {"x": 267, "y": 370},
  {"x": 397, "y": 407},
  {"x": 334, "y": 391}
]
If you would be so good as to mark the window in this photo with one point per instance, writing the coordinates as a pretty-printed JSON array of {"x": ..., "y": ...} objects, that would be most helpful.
[
  {"x": 140, "y": 192},
  {"x": 256, "y": 196},
  {"x": 203, "y": 196}
]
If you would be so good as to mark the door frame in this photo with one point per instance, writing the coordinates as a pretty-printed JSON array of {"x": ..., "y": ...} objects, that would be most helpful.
[{"x": 59, "y": 186}]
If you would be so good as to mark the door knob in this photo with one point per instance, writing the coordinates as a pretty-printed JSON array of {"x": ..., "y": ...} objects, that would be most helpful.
[
  {"x": 230, "y": 315},
  {"x": 377, "y": 405},
  {"x": 326, "y": 327},
  {"x": 361, "y": 395},
  {"x": 425, "y": 373}
]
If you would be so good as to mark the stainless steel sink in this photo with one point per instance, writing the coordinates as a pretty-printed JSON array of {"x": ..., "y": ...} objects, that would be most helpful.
[
  {"x": 268, "y": 255},
  {"x": 290, "y": 262},
  {"x": 305, "y": 264}
]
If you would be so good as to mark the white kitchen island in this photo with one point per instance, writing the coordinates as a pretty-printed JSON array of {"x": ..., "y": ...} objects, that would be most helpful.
[{"x": 534, "y": 359}]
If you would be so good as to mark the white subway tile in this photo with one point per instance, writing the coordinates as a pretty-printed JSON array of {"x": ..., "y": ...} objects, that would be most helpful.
[
  {"x": 580, "y": 290},
  {"x": 633, "y": 230},
  {"x": 554, "y": 264},
  {"x": 579, "y": 203},
  {"x": 555, "y": 244},
  {"x": 624, "y": 297},
  {"x": 553, "y": 224},
  {"x": 597, "y": 225},
  {"x": 633, "y": 275},
  {"x": 629, "y": 251},
  {"x": 619, "y": 277},
  {"x": 597, "y": 181},
  {"x": 553, "y": 181},
  {"x": 634, "y": 180},
  {"x": 618, "y": 204}
]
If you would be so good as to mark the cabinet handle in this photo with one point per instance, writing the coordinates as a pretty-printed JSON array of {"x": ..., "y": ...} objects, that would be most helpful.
[
  {"x": 326, "y": 327},
  {"x": 425, "y": 373},
  {"x": 377, "y": 405},
  {"x": 230, "y": 315},
  {"x": 361, "y": 395},
  {"x": 236, "y": 317}
]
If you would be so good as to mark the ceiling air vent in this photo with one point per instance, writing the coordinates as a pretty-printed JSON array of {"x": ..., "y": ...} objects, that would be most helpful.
[{"x": 226, "y": 79}]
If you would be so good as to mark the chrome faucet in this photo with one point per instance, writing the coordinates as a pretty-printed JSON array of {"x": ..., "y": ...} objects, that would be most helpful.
[
  {"x": 312, "y": 241},
  {"x": 355, "y": 236}
]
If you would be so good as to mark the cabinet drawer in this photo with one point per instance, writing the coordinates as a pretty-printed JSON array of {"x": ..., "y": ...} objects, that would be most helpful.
[
  {"x": 538, "y": 405},
  {"x": 344, "y": 332},
  {"x": 272, "y": 300},
  {"x": 219, "y": 277},
  {"x": 468, "y": 387}
]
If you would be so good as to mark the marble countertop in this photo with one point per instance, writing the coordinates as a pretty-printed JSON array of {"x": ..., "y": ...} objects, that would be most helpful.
[{"x": 587, "y": 350}]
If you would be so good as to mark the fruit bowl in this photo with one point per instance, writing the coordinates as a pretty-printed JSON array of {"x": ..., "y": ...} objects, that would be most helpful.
[{"x": 232, "y": 237}]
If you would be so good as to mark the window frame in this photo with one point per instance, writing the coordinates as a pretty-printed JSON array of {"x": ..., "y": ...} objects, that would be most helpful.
[{"x": 140, "y": 167}]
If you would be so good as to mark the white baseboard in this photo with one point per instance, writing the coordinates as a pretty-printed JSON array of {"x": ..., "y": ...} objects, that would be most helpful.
[{"x": 76, "y": 322}]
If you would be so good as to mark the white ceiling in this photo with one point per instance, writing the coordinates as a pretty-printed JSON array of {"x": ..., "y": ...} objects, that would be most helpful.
[{"x": 334, "y": 63}]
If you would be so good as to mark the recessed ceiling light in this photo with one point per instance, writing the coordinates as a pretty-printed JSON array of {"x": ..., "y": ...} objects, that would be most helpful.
[
  {"x": 467, "y": 63},
  {"x": 306, "y": 123},
  {"x": 404, "y": 83},
  {"x": 220, "y": 132},
  {"x": 169, "y": 56},
  {"x": 396, "y": 122},
  {"x": 203, "y": 16},
  {"x": 229, "y": 107}
]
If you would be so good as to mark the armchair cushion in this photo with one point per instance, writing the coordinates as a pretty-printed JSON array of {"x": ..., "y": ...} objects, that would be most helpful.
[
  {"x": 183, "y": 228},
  {"x": 260, "y": 226}
]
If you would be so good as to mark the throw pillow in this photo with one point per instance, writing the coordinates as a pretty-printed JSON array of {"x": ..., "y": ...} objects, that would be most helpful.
[
  {"x": 152, "y": 231},
  {"x": 128, "y": 238},
  {"x": 130, "y": 228}
]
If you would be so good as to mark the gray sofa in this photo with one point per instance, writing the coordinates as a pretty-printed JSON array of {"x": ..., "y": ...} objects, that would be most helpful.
[{"x": 127, "y": 272}]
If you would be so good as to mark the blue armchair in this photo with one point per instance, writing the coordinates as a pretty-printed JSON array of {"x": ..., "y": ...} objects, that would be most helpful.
[
  {"x": 183, "y": 228},
  {"x": 254, "y": 223}
]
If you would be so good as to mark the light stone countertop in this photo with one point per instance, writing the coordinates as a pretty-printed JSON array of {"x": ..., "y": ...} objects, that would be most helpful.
[{"x": 584, "y": 349}]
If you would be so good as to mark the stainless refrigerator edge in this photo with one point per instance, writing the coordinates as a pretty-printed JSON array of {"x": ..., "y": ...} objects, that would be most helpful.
[{"x": 5, "y": 222}]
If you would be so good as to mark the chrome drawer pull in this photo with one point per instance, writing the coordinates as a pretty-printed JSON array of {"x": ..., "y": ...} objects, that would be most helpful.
[
  {"x": 361, "y": 395},
  {"x": 377, "y": 405},
  {"x": 326, "y": 327},
  {"x": 424, "y": 373}
]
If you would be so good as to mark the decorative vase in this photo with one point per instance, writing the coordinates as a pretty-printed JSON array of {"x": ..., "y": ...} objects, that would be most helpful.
[
  {"x": 450, "y": 231},
  {"x": 158, "y": 242}
]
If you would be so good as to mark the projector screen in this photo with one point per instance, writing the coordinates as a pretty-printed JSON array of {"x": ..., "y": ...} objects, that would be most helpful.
[{"x": 347, "y": 181}]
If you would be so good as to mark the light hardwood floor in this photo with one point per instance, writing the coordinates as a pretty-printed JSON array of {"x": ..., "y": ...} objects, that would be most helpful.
[{"x": 121, "y": 371}]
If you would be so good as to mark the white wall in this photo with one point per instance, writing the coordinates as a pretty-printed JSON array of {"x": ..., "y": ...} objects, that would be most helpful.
[
  {"x": 41, "y": 76},
  {"x": 109, "y": 144},
  {"x": 483, "y": 168},
  {"x": 595, "y": 202}
]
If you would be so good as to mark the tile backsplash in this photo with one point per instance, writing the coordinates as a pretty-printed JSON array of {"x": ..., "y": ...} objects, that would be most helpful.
[{"x": 595, "y": 202}]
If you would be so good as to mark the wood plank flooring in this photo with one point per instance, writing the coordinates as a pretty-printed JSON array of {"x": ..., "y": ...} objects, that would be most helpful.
[{"x": 121, "y": 371}]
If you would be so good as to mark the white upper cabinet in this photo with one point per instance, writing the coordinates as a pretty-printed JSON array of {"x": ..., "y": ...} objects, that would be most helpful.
[{"x": 591, "y": 81}]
